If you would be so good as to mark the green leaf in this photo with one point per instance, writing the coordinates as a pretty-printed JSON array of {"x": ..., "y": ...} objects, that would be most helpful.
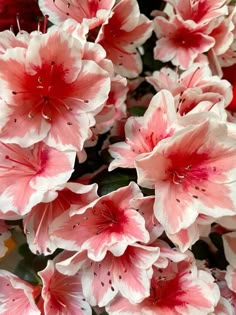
[
  {"x": 25, "y": 271},
  {"x": 110, "y": 181},
  {"x": 137, "y": 110}
]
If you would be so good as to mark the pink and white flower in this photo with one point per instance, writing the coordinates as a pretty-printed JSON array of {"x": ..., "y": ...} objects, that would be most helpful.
[
  {"x": 16, "y": 295},
  {"x": 109, "y": 223},
  {"x": 41, "y": 217},
  {"x": 93, "y": 11},
  {"x": 62, "y": 294},
  {"x": 183, "y": 290},
  {"x": 123, "y": 31},
  {"x": 27, "y": 174},
  {"x": 144, "y": 133},
  {"x": 49, "y": 96},
  {"x": 180, "y": 42},
  {"x": 128, "y": 274},
  {"x": 193, "y": 172}
]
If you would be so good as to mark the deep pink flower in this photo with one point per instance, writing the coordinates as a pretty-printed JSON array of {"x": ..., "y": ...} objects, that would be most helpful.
[
  {"x": 179, "y": 41},
  {"x": 109, "y": 223},
  {"x": 27, "y": 174},
  {"x": 192, "y": 172},
  {"x": 129, "y": 274},
  {"x": 93, "y": 11},
  {"x": 144, "y": 133},
  {"x": 125, "y": 30},
  {"x": 49, "y": 96},
  {"x": 62, "y": 294},
  {"x": 38, "y": 221},
  {"x": 182, "y": 291},
  {"x": 16, "y": 295}
]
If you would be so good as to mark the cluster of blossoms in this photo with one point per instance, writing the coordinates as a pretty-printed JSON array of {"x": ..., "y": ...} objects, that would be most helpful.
[{"x": 114, "y": 170}]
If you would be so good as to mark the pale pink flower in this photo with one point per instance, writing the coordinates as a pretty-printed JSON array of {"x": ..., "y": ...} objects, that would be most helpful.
[
  {"x": 181, "y": 291},
  {"x": 179, "y": 41},
  {"x": 193, "y": 172},
  {"x": 224, "y": 307},
  {"x": 38, "y": 221},
  {"x": 198, "y": 80},
  {"x": 115, "y": 107},
  {"x": 227, "y": 302},
  {"x": 185, "y": 238},
  {"x": 27, "y": 174},
  {"x": 202, "y": 12},
  {"x": 144, "y": 133},
  {"x": 230, "y": 247},
  {"x": 62, "y": 294},
  {"x": 93, "y": 11},
  {"x": 16, "y": 295},
  {"x": 128, "y": 274},
  {"x": 144, "y": 206},
  {"x": 4, "y": 235},
  {"x": 109, "y": 223},
  {"x": 49, "y": 96},
  {"x": 124, "y": 30}
]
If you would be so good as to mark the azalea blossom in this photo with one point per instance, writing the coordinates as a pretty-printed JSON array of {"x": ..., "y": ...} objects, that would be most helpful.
[
  {"x": 181, "y": 291},
  {"x": 201, "y": 12},
  {"x": 179, "y": 41},
  {"x": 94, "y": 12},
  {"x": 192, "y": 174},
  {"x": 143, "y": 133},
  {"x": 62, "y": 294},
  {"x": 65, "y": 198},
  {"x": 27, "y": 174},
  {"x": 49, "y": 96},
  {"x": 123, "y": 31},
  {"x": 109, "y": 223},
  {"x": 129, "y": 274},
  {"x": 16, "y": 295},
  {"x": 192, "y": 86}
]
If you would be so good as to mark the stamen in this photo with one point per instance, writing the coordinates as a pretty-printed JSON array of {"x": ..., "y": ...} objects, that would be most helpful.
[
  {"x": 18, "y": 21},
  {"x": 7, "y": 157},
  {"x": 45, "y": 20}
]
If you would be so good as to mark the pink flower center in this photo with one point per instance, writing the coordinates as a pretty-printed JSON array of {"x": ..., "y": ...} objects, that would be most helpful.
[
  {"x": 109, "y": 218},
  {"x": 19, "y": 161},
  {"x": 165, "y": 293},
  {"x": 47, "y": 93},
  {"x": 192, "y": 173}
]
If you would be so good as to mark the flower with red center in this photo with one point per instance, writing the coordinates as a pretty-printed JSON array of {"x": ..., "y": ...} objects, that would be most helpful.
[
  {"x": 109, "y": 223},
  {"x": 37, "y": 223},
  {"x": 181, "y": 292},
  {"x": 62, "y": 294},
  {"x": 46, "y": 96},
  {"x": 125, "y": 30},
  {"x": 201, "y": 12},
  {"x": 144, "y": 133},
  {"x": 179, "y": 41},
  {"x": 27, "y": 174},
  {"x": 128, "y": 274},
  {"x": 93, "y": 11},
  {"x": 193, "y": 172},
  {"x": 16, "y": 295}
]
